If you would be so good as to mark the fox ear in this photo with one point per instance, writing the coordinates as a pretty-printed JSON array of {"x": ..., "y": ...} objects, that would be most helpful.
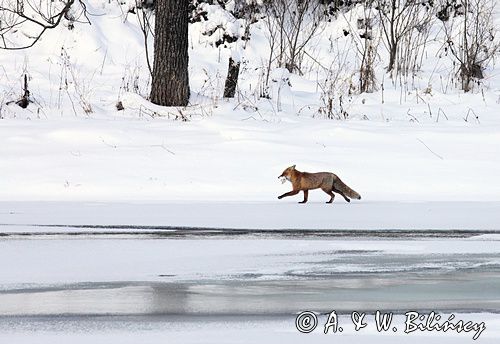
[{"x": 293, "y": 167}]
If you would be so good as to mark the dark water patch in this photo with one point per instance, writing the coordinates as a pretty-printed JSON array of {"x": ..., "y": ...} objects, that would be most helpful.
[{"x": 201, "y": 232}]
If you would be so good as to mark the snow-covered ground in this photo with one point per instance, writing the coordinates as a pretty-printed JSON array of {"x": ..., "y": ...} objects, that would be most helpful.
[
  {"x": 226, "y": 158},
  {"x": 399, "y": 143}
]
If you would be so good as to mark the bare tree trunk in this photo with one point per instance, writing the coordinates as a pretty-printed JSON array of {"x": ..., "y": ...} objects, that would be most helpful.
[
  {"x": 392, "y": 56},
  {"x": 170, "y": 84},
  {"x": 232, "y": 78},
  {"x": 393, "y": 42}
]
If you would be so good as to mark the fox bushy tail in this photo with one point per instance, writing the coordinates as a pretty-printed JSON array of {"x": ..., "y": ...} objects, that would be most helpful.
[{"x": 341, "y": 186}]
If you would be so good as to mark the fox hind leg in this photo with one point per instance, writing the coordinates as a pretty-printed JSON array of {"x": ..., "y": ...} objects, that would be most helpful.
[
  {"x": 342, "y": 194},
  {"x": 330, "y": 193},
  {"x": 345, "y": 197}
]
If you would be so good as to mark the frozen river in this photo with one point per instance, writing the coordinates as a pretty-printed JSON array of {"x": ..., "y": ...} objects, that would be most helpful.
[{"x": 167, "y": 283}]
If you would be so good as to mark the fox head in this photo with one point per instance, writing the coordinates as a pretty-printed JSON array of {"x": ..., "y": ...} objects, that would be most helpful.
[{"x": 287, "y": 173}]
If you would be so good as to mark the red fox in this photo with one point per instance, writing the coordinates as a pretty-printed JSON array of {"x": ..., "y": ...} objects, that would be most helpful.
[{"x": 327, "y": 181}]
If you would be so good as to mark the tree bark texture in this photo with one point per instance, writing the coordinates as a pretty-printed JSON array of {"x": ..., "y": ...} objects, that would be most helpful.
[{"x": 170, "y": 84}]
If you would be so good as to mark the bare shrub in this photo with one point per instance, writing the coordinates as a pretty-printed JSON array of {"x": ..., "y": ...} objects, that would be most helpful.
[
  {"x": 405, "y": 26},
  {"x": 291, "y": 24},
  {"x": 75, "y": 87},
  {"x": 471, "y": 37},
  {"x": 337, "y": 88},
  {"x": 366, "y": 41}
]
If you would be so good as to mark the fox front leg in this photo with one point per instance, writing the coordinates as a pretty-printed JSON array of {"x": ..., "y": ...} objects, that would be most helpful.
[
  {"x": 306, "y": 193},
  {"x": 291, "y": 193}
]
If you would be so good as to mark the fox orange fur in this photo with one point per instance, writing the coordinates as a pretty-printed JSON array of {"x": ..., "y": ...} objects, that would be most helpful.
[{"x": 326, "y": 181}]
